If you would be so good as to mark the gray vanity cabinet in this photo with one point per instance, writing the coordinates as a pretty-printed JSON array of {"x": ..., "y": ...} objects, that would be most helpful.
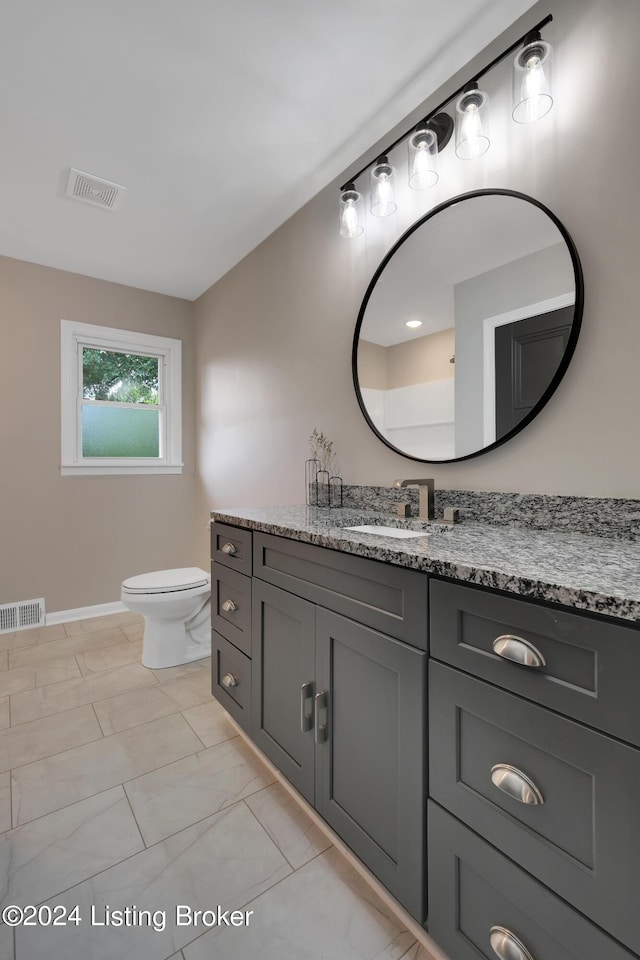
[
  {"x": 339, "y": 708},
  {"x": 231, "y": 560},
  {"x": 370, "y": 753},
  {"x": 476, "y": 893},
  {"x": 283, "y": 658},
  {"x": 533, "y": 826}
]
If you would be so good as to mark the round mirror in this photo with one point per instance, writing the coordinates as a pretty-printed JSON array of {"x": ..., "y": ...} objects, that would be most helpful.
[{"x": 467, "y": 326}]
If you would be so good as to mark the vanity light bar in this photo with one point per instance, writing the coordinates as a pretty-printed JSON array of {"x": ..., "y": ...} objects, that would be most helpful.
[{"x": 470, "y": 108}]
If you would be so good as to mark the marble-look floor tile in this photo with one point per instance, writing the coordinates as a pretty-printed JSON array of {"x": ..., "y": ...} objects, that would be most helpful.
[
  {"x": 227, "y": 859},
  {"x": 4, "y": 660},
  {"x": 172, "y": 798},
  {"x": 42, "y": 787},
  {"x": 54, "y": 698},
  {"x": 75, "y": 627},
  {"x": 210, "y": 722},
  {"x": 288, "y": 825},
  {"x": 323, "y": 910},
  {"x": 37, "y": 739},
  {"x": 28, "y": 638},
  {"x": 417, "y": 952},
  {"x": 18, "y": 679},
  {"x": 5, "y": 715},
  {"x": 190, "y": 690},
  {"x": 133, "y": 708},
  {"x": 97, "y": 661},
  {"x": 49, "y": 855},
  {"x": 6, "y": 943},
  {"x": 183, "y": 669},
  {"x": 133, "y": 631},
  {"x": 5, "y": 802},
  {"x": 68, "y": 646}
]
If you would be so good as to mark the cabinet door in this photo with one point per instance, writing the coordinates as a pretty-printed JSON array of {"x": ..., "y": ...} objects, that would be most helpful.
[
  {"x": 282, "y": 682},
  {"x": 370, "y": 758}
]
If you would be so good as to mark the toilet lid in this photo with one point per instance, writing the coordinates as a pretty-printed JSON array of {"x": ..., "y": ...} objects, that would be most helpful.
[{"x": 167, "y": 581}]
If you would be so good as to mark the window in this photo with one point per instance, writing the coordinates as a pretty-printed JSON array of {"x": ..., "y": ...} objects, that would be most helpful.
[{"x": 121, "y": 401}]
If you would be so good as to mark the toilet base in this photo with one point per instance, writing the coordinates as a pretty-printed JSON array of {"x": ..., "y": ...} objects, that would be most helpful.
[{"x": 170, "y": 643}]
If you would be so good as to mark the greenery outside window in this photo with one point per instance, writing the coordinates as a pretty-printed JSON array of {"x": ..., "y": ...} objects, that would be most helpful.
[{"x": 121, "y": 401}]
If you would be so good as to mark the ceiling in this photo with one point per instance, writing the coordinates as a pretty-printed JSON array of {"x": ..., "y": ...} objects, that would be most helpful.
[
  {"x": 469, "y": 239},
  {"x": 220, "y": 117}
]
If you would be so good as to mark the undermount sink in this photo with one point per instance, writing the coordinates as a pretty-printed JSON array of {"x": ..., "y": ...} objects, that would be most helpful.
[
  {"x": 382, "y": 524},
  {"x": 388, "y": 531}
]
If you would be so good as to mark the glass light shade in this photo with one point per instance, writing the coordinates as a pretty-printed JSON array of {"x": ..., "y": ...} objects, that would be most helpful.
[
  {"x": 350, "y": 211},
  {"x": 472, "y": 124},
  {"x": 383, "y": 202},
  {"x": 423, "y": 158},
  {"x": 532, "y": 97}
]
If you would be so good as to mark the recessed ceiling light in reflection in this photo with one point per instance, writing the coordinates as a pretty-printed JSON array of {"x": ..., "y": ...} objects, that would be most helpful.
[{"x": 413, "y": 323}]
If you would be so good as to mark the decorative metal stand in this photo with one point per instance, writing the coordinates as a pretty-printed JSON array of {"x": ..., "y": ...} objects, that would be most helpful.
[
  {"x": 316, "y": 482},
  {"x": 321, "y": 489},
  {"x": 323, "y": 496},
  {"x": 335, "y": 491},
  {"x": 311, "y": 468}
]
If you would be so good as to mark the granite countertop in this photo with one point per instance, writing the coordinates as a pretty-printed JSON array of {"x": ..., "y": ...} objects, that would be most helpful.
[{"x": 591, "y": 573}]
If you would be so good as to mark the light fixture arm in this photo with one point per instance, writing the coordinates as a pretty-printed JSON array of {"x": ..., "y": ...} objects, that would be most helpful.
[{"x": 435, "y": 117}]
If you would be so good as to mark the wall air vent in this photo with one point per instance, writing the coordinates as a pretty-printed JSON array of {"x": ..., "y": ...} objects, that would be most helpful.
[
  {"x": 90, "y": 189},
  {"x": 22, "y": 615}
]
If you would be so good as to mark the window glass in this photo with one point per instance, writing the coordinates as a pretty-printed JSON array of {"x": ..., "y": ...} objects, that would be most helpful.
[
  {"x": 121, "y": 401},
  {"x": 121, "y": 377},
  {"x": 109, "y": 431}
]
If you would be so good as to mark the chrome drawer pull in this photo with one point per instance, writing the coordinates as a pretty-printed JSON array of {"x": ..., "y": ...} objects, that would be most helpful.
[
  {"x": 229, "y": 681},
  {"x": 320, "y": 703},
  {"x": 230, "y": 549},
  {"x": 507, "y": 946},
  {"x": 229, "y": 606},
  {"x": 516, "y": 784},
  {"x": 306, "y": 699},
  {"x": 518, "y": 650}
]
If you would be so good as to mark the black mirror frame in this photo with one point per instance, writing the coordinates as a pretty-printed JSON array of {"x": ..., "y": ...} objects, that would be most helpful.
[{"x": 566, "y": 358}]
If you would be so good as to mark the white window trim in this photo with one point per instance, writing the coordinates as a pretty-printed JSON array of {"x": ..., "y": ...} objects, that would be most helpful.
[{"x": 75, "y": 336}]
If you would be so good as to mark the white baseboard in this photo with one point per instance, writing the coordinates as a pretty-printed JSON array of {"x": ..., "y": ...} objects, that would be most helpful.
[{"x": 86, "y": 613}]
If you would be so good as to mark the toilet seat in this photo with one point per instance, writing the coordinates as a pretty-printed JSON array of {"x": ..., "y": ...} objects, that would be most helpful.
[{"x": 166, "y": 581}]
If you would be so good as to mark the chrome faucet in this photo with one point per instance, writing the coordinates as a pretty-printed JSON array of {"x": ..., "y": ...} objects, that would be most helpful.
[{"x": 427, "y": 490}]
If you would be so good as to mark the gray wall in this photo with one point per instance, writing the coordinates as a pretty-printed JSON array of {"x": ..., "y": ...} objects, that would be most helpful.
[
  {"x": 72, "y": 540},
  {"x": 274, "y": 336}
]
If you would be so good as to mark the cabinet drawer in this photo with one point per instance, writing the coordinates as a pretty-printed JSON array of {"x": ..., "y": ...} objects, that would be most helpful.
[
  {"x": 231, "y": 679},
  {"x": 231, "y": 546},
  {"x": 582, "y": 836},
  {"x": 231, "y": 606},
  {"x": 387, "y": 598},
  {"x": 591, "y": 667},
  {"x": 473, "y": 888}
]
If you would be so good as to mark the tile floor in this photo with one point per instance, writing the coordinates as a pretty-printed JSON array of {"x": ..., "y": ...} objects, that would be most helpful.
[{"x": 123, "y": 787}]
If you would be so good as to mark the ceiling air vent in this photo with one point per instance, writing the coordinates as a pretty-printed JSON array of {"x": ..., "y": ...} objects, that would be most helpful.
[{"x": 101, "y": 193}]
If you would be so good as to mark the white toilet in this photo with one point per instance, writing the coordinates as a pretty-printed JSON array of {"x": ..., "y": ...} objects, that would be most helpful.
[{"x": 176, "y": 608}]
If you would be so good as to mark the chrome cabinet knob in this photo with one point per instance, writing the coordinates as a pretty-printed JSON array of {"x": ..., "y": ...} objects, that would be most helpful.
[
  {"x": 518, "y": 650},
  {"x": 516, "y": 784},
  {"x": 506, "y": 945},
  {"x": 229, "y": 606},
  {"x": 230, "y": 549},
  {"x": 229, "y": 681}
]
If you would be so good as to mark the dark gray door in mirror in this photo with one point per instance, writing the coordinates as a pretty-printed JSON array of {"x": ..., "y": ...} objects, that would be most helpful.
[{"x": 467, "y": 326}]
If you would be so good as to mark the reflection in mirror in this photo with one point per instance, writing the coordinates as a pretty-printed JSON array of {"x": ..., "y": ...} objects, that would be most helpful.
[{"x": 467, "y": 326}]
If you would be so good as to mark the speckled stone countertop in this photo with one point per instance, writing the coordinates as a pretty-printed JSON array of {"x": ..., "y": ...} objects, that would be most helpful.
[{"x": 591, "y": 573}]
